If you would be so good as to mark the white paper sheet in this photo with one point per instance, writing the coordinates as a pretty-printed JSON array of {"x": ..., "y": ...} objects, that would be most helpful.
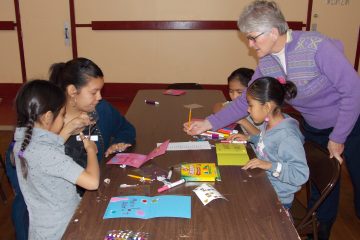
[{"x": 179, "y": 146}]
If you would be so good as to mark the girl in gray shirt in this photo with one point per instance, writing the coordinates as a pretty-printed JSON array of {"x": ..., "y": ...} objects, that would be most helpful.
[{"x": 47, "y": 176}]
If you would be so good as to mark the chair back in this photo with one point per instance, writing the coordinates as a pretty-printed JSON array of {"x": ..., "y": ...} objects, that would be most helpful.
[
  {"x": 2, "y": 192},
  {"x": 184, "y": 86},
  {"x": 324, "y": 173}
]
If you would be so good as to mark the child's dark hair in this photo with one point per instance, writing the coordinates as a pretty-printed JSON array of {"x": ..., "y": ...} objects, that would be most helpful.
[
  {"x": 34, "y": 99},
  {"x": 266, "y": 89},
  {"x": 243, "y": 75},
  {"x": 74, "y": 72}
]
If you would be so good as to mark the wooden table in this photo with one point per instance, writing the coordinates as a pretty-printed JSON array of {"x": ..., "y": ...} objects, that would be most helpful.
[{"x": 251, "y": 212}]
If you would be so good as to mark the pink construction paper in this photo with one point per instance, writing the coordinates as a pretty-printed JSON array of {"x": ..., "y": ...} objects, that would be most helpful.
[
  {"x": 174, "y": 92},
  {"x": 135, "y": 159}
]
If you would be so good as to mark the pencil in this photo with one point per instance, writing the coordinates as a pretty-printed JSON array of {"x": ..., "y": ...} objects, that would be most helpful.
[
  {"x": 139, "y": 177},
  {"x": 189, "y": 116}
]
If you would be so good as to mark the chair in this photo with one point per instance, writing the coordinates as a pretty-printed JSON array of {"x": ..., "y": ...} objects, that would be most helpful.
[
  {"x": 324, "y": 173},
  {"x": 2, "y": 192},
  {"x": 184, "y": 86}
]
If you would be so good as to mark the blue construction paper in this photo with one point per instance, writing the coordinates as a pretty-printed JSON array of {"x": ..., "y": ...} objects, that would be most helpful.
[{"x": 149, "y": 207}]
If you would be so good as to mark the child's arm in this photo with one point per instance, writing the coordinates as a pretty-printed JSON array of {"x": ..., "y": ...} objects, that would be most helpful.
[
  {"x": 249, "y": 127},
  {"x": 293, "y": 160},
  {"x": 89, "y": 178},
  {"x": 74, "y": 126}
]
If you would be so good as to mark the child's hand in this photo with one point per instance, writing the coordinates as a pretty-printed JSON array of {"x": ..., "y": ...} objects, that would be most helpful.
[
  {"x": 76, "y": 125},
  {"x": 118, "y": 147},
  {"x": 88, "y": 144},
  {"x": 238, "y": 137},
  {"x": 257, "y": 163}
]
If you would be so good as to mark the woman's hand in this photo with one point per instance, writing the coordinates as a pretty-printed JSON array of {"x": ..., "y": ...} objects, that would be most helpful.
[
  {"x": 257, "y": 163},
  {"x": 335, "y": 150},
  {"x": 75, "y": 126},
  {"x": 197, "y": 127},
  {"x": 118, "y": 147},
  {"x": 238, "y": 137}
]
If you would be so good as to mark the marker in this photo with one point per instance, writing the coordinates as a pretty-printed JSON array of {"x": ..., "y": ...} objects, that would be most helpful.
[
  {"x": 219, "y": 134},
  {"x": 227, "y": 131},
  {"x": 139, "y": 177},
  {"x": 152, "y": 102},
  {"x": 169, "y": 174},
  {"x": 210, "y": 135},
  {"x": 171, "y": 185},
  {"x": 228, "y": 141}
]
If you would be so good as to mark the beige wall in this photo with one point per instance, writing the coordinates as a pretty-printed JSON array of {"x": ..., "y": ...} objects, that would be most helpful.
[
  {"x": 340, "y": 20},
  {"x": 10, "y": 67},
  {"x": 167, "y": 56},
  {"x": 152, "y": 56},
  {"x": 43, "y": 35}
]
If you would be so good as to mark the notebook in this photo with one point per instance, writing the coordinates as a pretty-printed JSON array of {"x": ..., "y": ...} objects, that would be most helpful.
[{"x": 229, "y": 154}]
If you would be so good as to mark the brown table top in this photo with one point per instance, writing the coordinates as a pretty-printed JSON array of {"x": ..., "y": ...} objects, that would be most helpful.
[{"x": 252, "y": 211}]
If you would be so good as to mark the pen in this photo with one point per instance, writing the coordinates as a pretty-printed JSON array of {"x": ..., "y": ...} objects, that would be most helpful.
[
  {"x": 228, "y": 141},
  {"x": 189, "y": 116},
  {"x": 139, "y": 177},
  {"x": 124, "y": 185},
  {"x": 169, "y": 174},
  {"x": 171, "y": 185},
  {"x": 152, "y": 102}
]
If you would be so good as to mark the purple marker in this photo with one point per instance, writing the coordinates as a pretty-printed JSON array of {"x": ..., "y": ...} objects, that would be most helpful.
[{"x": 152, "y": 102}]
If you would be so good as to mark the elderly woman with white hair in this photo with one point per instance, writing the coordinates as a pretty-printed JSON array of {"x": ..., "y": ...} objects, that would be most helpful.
[{"x": 328, "y": 92}]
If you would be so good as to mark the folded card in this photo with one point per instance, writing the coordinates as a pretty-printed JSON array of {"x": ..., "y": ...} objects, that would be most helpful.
[
  {"x": 149, "y": 207},
  {"x": 135, "y": 159}
]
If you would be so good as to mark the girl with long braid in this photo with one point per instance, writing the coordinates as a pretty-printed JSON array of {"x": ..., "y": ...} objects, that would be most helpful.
[{"x": 47, "y": 176}]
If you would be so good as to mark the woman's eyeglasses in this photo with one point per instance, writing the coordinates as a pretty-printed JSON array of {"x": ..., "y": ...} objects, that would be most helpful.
[{"x": 253, "y": 39}]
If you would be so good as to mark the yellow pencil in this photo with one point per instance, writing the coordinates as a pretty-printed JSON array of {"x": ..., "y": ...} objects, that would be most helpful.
[
  {"x": 189, "y": 116},
  {"x": 139, "y": 177}
]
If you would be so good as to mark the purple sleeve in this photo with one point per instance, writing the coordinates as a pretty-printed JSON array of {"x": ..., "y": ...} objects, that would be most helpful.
[
  {"x": 232, "y": 112},
  {"x": 333, "y": 63},
  {"x": 257, "y": 74}
]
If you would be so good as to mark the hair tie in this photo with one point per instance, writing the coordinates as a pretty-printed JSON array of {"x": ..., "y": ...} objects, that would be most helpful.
[
  {"x": 281, "y": 80},
  {"x": 12, "y": 144},
  {"x": 21, "y": 154}
]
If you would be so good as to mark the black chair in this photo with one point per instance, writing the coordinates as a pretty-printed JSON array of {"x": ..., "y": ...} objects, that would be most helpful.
[
  {"x": 184, "y": 86},
  {"x": 324, "y": 173},
  {"x": 2, "y": 192}
]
